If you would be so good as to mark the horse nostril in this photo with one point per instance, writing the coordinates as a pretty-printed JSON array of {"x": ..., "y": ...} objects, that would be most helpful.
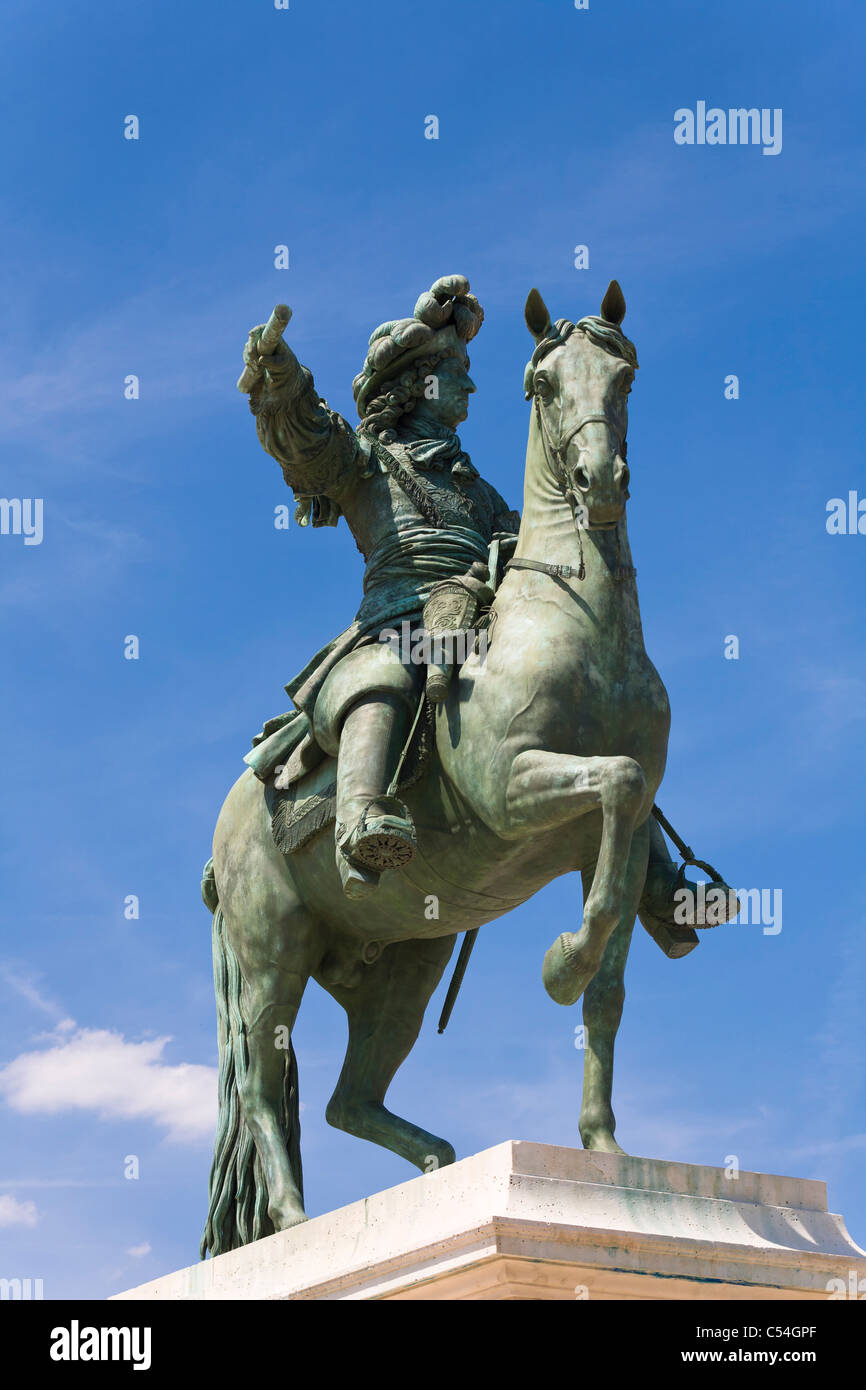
[
  {"x": 581, "y": 479},
  {"x": 624, "y": 480}
]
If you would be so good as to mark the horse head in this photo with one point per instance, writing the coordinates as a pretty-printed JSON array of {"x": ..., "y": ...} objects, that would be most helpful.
[{"x": 579, "y": 377}]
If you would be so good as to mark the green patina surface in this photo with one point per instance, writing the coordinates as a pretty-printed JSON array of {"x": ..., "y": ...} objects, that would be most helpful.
[{"x": 547, "y": 744}]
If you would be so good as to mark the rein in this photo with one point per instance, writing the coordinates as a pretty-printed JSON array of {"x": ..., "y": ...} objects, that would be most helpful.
[
  {"x": 555, "y": 458},
  {"x": 554, "y": 455},
  {"x": 559, "y": 450}
]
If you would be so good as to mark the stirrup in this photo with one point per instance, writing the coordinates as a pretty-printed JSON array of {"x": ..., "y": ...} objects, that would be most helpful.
[{"x": 381, "y": 842}]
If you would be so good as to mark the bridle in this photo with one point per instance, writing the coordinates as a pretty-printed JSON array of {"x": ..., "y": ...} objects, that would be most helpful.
[
  {"x": 560, "y": 450},
  {"x": 555, "y": 456}
]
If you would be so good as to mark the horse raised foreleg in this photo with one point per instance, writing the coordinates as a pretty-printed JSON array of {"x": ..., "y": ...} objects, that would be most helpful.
[
  {"x": 549, "y": 789},
  {"x": 385, "y": 1012},
  {"x": 602, "y": 1007}
]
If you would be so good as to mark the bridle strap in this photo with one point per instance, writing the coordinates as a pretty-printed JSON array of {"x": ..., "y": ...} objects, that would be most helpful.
[
  {"x": 558, "y": 467},
  {"x": 621, "y": 573},
  {"x": 559, "y": 450},
  {"x": 541, "y": 566}
]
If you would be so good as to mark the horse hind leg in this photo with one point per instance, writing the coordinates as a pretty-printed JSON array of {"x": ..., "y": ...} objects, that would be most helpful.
[
  {"x": 385, "y": 1012},
  {"x": 276, "y": 953}
]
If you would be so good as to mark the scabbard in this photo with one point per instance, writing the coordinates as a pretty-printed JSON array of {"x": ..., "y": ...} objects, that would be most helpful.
[{"x": 457, "y": 977}]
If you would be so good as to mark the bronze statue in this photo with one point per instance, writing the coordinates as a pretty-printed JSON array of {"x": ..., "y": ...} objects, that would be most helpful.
[{"x": 458, "y": 788}]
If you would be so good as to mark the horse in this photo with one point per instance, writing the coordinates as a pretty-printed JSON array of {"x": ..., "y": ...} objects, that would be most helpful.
[{"x": 547, "y": 755}]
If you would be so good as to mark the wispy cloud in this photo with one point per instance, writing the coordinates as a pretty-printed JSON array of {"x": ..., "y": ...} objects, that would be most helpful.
[
  {"x": 60, "y": 1182},
  {"x": 656, "y": 1122},
  {"x": 89, "y": 558},
  {"x": 833, "y": 1078},
  {"x": 834, "y": 1148},
  {"x": 838, "y": 703},
  {"x": 26, "y": 988},
  {"x": 73, "y": 412}
]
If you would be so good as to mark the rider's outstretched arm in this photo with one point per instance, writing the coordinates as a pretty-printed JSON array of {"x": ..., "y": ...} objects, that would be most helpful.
[{"x": 316, "y": 448}]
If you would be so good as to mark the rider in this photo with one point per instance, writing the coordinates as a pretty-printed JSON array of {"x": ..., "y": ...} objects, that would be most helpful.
[{"x": 419, "y": 512}]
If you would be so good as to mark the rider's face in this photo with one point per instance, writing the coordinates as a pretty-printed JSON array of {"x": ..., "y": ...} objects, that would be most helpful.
[{"x": 454, "y": 386}]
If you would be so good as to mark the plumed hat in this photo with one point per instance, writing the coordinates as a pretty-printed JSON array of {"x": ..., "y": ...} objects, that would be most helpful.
[{"x": 445, "y": 317}]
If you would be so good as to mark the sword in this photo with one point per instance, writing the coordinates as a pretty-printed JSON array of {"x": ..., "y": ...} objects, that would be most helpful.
[{"x": 469, "y": 937}]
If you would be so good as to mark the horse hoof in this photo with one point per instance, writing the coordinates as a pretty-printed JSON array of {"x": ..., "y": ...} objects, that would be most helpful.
[
  {"x": 557, "y": 972},
  {"x": 564, "y": 974},
  {"x": 289, "y": 1217},
  {"x": 601, "y": 1142}
]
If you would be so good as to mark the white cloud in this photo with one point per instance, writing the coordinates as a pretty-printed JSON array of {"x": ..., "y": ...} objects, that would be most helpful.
[
  {"x": 15, "y": 1213},
  {"x": 138, "y": 1251},
  {"x": 99, "y": 1070}
]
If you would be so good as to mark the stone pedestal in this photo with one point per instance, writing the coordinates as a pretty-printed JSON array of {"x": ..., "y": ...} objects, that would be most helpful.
[{"x": 532, "y": 1221}]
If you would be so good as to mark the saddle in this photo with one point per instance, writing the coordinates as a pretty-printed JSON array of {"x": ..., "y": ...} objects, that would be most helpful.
[
  {"x": 309, "y": 805},
  {"x": 302, "y": 791}
]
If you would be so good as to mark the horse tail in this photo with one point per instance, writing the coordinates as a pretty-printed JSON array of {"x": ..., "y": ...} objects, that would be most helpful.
[{"x": 237, "y": 1192}]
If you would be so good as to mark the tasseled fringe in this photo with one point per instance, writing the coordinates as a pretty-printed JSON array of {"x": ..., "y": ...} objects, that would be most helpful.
[{"x": 292, "y": 828}]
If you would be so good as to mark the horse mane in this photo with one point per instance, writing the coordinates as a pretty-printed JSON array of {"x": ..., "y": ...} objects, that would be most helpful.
[{"x": 600, "y": 332}]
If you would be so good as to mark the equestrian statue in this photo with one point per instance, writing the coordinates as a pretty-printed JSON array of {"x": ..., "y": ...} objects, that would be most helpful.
[{"x": 420, "y": 788}]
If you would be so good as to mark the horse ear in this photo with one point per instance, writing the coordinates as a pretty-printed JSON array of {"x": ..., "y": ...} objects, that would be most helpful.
[
  {"x": 537, "y": 317},
  {"x": 613, "y": 304}
]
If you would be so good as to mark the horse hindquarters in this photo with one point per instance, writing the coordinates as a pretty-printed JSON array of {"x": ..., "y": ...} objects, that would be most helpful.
[{"x": 265, "y": 948}]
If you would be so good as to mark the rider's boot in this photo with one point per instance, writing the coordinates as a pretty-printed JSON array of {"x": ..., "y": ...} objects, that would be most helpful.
[
  {"x": 668, "y": 902},
  {"x": 374, "y": 832},
  {"x": 657, "y": 910}
]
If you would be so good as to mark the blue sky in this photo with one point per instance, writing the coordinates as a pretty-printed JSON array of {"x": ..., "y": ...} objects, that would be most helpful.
[{"x": 155, "y": 257}]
